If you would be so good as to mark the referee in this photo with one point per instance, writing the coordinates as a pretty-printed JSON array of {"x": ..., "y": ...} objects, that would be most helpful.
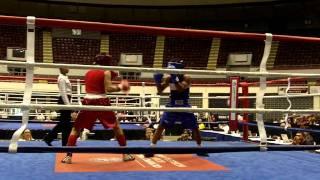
[{"x": 64, "y": 125}]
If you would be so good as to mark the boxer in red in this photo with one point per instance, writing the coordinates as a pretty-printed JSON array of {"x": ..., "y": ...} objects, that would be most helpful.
[{"x": 97, "y": 84}]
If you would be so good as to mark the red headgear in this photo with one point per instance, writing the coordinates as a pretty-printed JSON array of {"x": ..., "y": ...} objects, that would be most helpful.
[{"x": 103, "y": 59}]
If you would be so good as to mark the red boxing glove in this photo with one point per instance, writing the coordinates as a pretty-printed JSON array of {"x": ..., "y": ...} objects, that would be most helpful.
[{"x": 124, "y": 85}]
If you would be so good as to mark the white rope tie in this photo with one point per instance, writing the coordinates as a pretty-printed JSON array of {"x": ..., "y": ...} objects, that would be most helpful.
[{"x": 290, "y": 104}]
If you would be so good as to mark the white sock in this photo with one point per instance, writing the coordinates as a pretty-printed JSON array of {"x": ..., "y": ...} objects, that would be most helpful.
[{"x": 151, "y": 144}]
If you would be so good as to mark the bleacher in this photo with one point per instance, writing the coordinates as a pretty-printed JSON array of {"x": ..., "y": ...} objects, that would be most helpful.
[
  {"x": 11, "y": 36},
  {"x": 38, "y": 46},
  {"x": 194, "y": 52},
  {"x": 228, "y": 46},
  {"x": 74, "y": 50},
  {"x": 15, "y": 36},
  {"x": 133, "y": 43},
  {"x": 297, "y": 55}
]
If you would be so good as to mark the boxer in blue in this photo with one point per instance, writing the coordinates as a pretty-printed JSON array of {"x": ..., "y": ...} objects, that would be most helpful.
[{"x": 179, "y": 96}]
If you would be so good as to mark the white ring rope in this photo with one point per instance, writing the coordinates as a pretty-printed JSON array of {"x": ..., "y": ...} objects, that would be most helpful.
[
  {"x": 161, "y": 70},
  {"x": 137, "y": 97},
  {"x": 50, "y": 115},
  {"x": 114, "y": 108},
  {"x": 114, "y": 95},
  {"x": 241, "y": 97},
  {"x": 46, "y": 98}
]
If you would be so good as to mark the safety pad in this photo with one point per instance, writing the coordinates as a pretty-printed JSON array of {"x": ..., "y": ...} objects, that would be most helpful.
[{"x": 113, "y": 163}]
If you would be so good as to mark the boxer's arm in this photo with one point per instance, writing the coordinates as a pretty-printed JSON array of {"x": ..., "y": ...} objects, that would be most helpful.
[
  {"x": 108, "y": 86},
  {"x": 183, "y": 84}
]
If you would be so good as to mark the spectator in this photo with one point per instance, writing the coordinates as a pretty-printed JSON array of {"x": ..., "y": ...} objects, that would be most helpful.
[
  {"x": 26, "y": 136},
  {"x": 308, "y": 139},
  {"x": 298, "y": 139},
  {"x": 185, "y": 136},
  {"x": 149, "y": 133},
  {"x": 303, "y": 139}
]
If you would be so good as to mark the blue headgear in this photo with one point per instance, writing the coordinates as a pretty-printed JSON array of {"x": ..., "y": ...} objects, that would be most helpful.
[{"x": 175, "y": 64}]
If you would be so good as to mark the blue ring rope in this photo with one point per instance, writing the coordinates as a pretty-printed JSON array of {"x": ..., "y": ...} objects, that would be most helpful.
[
  {"x": 160, "y": 150},
  {"x": 282, "y": 128},
  {"x": 55, "y": 122}
]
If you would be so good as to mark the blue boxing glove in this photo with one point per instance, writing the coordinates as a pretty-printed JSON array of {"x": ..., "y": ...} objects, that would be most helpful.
[{"x": 158, "y": 78}]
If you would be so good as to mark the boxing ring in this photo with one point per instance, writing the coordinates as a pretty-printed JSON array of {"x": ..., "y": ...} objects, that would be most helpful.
[{"x": 174, "y": 160}]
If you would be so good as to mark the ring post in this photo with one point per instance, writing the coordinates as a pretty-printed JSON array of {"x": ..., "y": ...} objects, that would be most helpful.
[
  {"x": 261, "y": 92},
  {"x": 233, "y": 119},
  {"x": 245, "y": 104},
  {"x": 28, "y": 86}
]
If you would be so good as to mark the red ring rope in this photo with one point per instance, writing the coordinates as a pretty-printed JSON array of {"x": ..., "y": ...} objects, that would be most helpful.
[{"x": 44, "y": 22}]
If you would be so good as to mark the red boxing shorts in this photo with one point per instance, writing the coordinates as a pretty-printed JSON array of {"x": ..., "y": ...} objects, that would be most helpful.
[{"x": 86, "y": 119}]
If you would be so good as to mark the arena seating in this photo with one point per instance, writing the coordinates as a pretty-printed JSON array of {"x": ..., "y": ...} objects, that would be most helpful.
[
  {"x": 133, "y": 43},
  {"x": 38, "y": 46},
  {"x": 15, "y": 36},
  {"x": 228, "y": 46},
  {"x": 194, "y": 52},
  {"x": 74, "y": 50},
  {"x": 11, "y": 36},
  {"x": 295, "y": 55}
]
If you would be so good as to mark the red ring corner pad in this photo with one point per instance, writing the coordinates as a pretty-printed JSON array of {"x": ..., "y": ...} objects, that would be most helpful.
[{"x": 113, "y": 163}]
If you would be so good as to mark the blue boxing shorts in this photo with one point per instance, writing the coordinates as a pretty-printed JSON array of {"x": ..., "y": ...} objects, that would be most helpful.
[{"x": 185, "y": 119}]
